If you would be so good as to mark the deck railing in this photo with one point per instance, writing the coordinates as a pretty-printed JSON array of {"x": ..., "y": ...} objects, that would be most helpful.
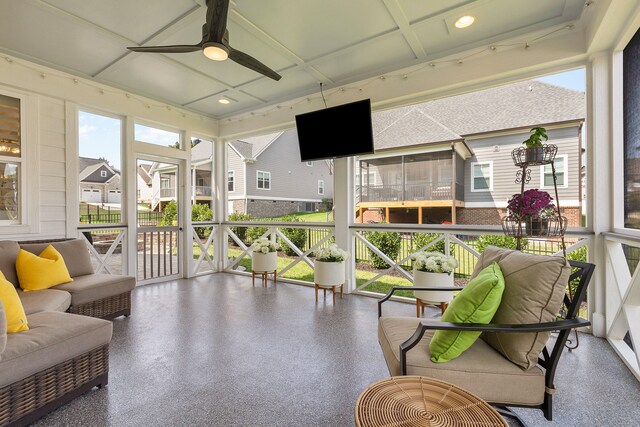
[{"x": 397, "y": 192}]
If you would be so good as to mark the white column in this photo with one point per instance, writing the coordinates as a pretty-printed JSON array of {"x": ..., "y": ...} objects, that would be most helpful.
[
  {"x": 130, "y": 207},
  {"x": 220, "y": 201},
  {"x": 344, "y": 204},
  {"x": 187, "y": 197},
  {"x": 600, "y": 199}
]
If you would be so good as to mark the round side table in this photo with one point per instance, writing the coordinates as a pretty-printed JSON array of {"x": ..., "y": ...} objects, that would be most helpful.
[{"x": 421, "y": 401}]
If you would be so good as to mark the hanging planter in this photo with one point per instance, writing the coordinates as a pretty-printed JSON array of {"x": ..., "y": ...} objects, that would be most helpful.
[
  {"x": 535, "y": 152},
  {"x": 537, "y": 227}
]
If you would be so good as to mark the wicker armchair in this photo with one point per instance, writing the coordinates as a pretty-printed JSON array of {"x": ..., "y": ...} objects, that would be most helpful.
[{"x": 482, "y": 369}]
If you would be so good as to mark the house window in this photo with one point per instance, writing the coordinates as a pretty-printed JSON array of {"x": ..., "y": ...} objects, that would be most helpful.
[
  {"x": 482, "y": 176},
  {"x": 320, "y": 187},
  {"x": 264, "y": 180},
  {"x": 164, "y": 183},
  {"x": 560, "y": 164},
  {"x": 10, "y": 160},
  {"x": 231, "y": 181},
  {"x": 310, "y": 164},
  {"x": 631, "y": 128},
  {"x": 103, "y": 174}
]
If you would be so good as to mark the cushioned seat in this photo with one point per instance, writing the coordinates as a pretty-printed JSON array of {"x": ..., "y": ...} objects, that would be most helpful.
[
  {"x": 44, "y": 300},
  {"x": 52, "y": 338},
  {"x": 480, "y": 369},
  {"x": 94, "y": 287}
]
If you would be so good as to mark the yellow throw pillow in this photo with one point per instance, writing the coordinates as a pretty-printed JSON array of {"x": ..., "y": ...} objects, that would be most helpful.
[
  {"x": 16, "y": 319},
  {"x": 41, "y": 272}
]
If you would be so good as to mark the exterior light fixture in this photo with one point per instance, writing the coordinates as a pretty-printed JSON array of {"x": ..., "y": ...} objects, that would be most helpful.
[
  {"x": 224, "y": 101},
  {"x": 465, "y": 21}
]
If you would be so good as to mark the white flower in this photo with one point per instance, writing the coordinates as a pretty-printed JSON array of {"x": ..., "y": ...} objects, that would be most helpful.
[
  {"x": 265, "y": 250},
  {"x": 434, "y": 262}
]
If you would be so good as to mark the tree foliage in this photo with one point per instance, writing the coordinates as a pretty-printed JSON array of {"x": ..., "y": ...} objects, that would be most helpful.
[{"x": 387, "y": 242}]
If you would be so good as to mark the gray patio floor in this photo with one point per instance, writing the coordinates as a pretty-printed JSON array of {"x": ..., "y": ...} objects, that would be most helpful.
[{"x": 215, "y": 351}]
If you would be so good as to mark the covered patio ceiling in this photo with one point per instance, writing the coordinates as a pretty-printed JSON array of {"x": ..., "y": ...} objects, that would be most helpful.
[{"x": 332, "y": 41}]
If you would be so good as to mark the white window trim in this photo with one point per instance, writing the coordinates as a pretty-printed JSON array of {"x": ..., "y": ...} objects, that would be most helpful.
[
  {"x": 565, "y": 171},
  {"x": 266, "y": 173},
  {"x": 482, "y": 190},
  {"x": 309, "y": 164},
  {"x": 233, "y": 182},
  {"x": 103, "y": 174},
  {"x": 321, "y": 181}
]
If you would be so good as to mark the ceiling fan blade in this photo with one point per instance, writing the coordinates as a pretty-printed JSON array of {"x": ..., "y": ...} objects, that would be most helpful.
[
  {"x": 252, "y": 63},
  {"x": 179, "y": 48},
  {"x": 217, "y": 11}
]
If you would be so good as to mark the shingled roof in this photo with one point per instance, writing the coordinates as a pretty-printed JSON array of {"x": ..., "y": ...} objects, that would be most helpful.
[
  {"x": 250, "y": 148},
  {"x": 518, "y": 105}
]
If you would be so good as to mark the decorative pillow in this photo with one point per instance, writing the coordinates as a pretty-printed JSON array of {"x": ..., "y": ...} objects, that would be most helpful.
[
  {"x": 476, "y": 303},
  {"x": 41, "y": 272},
  {"x": 74, "y": 252},
  {"x": 15, "y": 317},
  {"x": 533, "y": 292}
]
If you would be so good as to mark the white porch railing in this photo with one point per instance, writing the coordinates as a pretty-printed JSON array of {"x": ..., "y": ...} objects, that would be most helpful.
[
  {"x": 203, "y": 236},
  {"x": 107, "y": 248},
  {"x": 622, "y": 288}
]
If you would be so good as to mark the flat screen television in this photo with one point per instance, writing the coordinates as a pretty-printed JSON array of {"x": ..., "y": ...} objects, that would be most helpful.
[{"x": 339, "y": 131}]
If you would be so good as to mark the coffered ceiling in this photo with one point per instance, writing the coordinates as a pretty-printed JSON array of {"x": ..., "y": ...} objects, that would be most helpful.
[{"x": 330, "y": 41}]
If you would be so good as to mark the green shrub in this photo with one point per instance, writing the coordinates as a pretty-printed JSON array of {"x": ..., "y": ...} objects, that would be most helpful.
[
  {"x": 421, "y": 240},
  {"x": 241, "y": 232},
  {"x": 169, "y": 214},
  {"x": 253, "y": 233},
  {"x": 326, "y": 205},
  {"x": 201, "y": 212},
  {"x": 579, "y": 254},
  {"x": 297, "y": 236},
  {"x": 497, "y": 240},
  {"x": 389, "y": 244}
]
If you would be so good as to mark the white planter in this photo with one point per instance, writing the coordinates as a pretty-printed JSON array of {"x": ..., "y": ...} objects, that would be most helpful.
[
  {"x": 433, "y": 280},
  {"x": 328, "y": 273},
  {"x": 264, "y": 262}
]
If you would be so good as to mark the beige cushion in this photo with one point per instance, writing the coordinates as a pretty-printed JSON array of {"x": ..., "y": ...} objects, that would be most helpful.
[
  {"x": 93, "y": 287},
  {"x": 74, "y": 252},
  {"x": 533, "y": 293},
  {"x": 44, "y": 300},
  {"x": 480, "y": 369},
  {"x": 52, "y": 338},
  {"x": 3, "y": 329},
  {"x": 8, "y": 254}
]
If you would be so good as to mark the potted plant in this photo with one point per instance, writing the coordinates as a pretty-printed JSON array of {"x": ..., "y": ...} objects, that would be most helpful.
[
  {"x": 434, "y": 270},
  {"x": 265, "y": 255},
  {"x": 535, "y": 208},
  {"x": 329, "y": 266},
  {"x": 535, "y": 147}
]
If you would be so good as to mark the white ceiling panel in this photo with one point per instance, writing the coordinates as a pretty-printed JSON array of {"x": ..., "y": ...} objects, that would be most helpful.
[
  {"x": 369, "y": 58},
  {"x": 58, "y": 40},
  {"x": 417, "y": 10},
  {"x": 314, "y": 28},
  {"x": 135, "y": 19},
  {"x": 292, "y": 82},
  {"x": 211, "y": 106},
  {"x": 227, "y": 71},
  {"x": 160, "y": 78}
]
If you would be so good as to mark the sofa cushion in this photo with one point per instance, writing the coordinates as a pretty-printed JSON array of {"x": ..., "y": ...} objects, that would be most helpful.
[
  {"x": 13, "y": 310},
  {"x": 36, "y": 272},
  {"x": 75, "y": 254},
  {"x": 533, "y": 292},
  {"x": 480, "y": 370},
  {"x": 8, "y": 254},
  {"x": 93, "y": 287},
  {"x": 52, "y": 339},
  {"x": 44, "y": 300},
  {"x": 476, "y": 303}
]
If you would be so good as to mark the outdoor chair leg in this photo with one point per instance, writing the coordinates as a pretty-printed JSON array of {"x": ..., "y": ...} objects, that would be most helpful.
[{"x": 507, "y": 412}]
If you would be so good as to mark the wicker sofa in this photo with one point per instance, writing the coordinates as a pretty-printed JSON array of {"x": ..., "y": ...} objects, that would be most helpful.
[{"x": 62, "y": 355}]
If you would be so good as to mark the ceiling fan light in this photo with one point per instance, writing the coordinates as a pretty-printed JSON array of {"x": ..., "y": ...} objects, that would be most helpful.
[
  {"x": 216, "y": 51},
  {"x": 465, "y": 21}
]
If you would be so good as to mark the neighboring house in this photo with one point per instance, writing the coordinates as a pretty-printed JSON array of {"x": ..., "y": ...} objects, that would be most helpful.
[
  {"x": 449, "y": 160},
  {"x": 99, "y": 182},
  {"x": 163, "y": 178},
  {"x": 266, "y": 178},
  {"x": 143, "y": 184}
]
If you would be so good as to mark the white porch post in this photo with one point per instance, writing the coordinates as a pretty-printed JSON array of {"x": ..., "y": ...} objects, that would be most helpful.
[
  {"x": 220, "y": 202},
  {"x": 187, "y": 198},
  {"x": 130, "y": 246},
  {"x": 344, "y": 202},
  {"x": 600, "y": 200}
]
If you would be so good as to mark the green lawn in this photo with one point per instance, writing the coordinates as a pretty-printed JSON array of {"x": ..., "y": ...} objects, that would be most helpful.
[{"x": 308, "y": 217}]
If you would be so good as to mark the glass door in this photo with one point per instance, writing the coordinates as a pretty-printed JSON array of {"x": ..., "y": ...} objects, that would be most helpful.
[{"x": 158, "y": 219}]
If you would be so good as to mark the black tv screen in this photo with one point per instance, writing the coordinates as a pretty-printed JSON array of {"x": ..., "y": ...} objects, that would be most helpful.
[{"x": 339, "y": 131}]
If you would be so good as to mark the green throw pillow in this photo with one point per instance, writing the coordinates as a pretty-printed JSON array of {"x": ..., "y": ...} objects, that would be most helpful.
[{"x": 476, "y": 303}]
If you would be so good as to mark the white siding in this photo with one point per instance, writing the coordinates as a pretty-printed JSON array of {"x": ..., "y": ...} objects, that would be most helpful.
[{"x": 235, "y": 163}]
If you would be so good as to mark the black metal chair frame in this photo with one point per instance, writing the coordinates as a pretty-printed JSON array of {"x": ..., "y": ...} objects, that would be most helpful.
[{"x": 549, "y": 361}]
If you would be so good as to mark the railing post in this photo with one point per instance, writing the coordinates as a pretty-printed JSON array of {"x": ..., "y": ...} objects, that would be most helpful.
[{"x": 343, "y": 200}]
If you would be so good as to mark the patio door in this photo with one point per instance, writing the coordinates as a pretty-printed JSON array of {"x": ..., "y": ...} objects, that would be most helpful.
[{"x": 158, "y": 219}]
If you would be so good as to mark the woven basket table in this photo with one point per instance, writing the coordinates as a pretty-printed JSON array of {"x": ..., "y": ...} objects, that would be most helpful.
[{"x": 420, "y": 401}]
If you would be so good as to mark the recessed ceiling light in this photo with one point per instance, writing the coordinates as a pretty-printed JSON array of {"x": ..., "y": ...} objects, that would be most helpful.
[
  {"x": 224, "y": 101},
  {"x": 465, "y": 21}
]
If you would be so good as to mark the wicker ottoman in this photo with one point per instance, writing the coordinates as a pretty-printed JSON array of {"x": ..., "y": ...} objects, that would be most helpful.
[{"x": 422, "y": 401}]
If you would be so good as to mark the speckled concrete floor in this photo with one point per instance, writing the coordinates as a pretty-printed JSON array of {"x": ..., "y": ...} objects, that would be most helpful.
[{"x": 213, "y": 351}]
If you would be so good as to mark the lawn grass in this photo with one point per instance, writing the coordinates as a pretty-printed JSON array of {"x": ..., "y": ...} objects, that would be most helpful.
[{"x": 308, "y": 216}]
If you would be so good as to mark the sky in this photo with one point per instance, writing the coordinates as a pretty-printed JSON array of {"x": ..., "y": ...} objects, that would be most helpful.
[{"x": 100, "y": 135}]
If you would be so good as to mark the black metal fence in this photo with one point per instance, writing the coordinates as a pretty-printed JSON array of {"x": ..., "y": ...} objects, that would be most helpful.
[{"x": 104, "y": 216}]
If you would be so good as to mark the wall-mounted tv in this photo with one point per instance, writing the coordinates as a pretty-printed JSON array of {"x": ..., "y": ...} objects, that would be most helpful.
[{"x": 339, "y": 131}]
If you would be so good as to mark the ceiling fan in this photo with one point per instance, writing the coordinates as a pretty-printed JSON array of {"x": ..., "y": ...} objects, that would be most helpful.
[{"x": 215, "y": 42}]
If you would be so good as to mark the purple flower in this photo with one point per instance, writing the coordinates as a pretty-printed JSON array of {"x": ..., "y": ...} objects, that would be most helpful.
[{"x": 530, "y": 204}]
